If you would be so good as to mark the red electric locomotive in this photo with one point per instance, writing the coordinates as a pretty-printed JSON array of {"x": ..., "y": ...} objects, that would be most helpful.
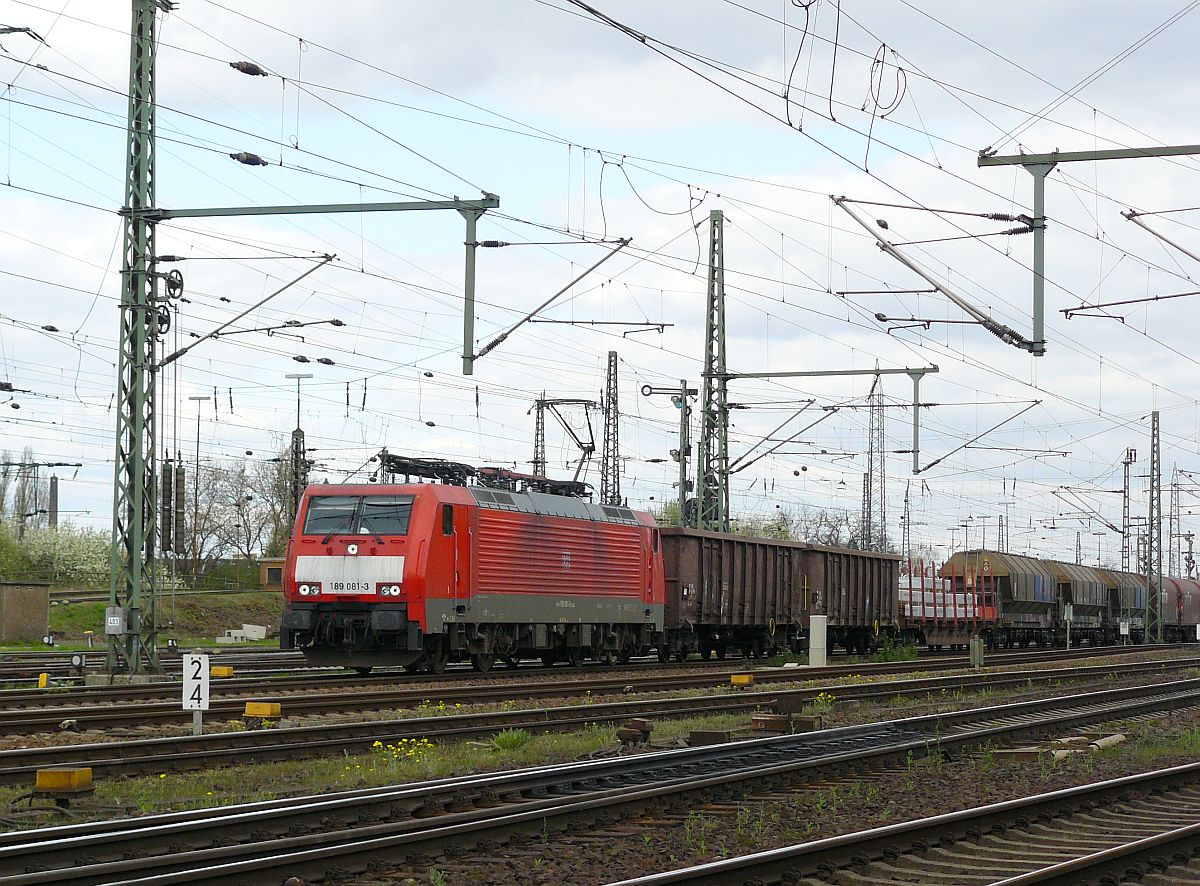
[{"x": 421, "y": 574}]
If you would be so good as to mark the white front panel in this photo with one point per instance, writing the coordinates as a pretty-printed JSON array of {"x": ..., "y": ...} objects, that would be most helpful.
[{"x": 350, "y": 575}]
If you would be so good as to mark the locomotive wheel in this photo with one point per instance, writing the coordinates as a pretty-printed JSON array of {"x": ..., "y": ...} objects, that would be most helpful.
[
  {"x": 483, "y": 661},
  {"x": 437, "y": 661}
]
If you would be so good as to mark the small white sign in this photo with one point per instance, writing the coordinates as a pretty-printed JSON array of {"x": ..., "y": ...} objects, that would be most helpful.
[
  {"x": 195, "y": 682},
  {"x": 1069, "y": 613},
  {"x": 1125, "y": 627}
]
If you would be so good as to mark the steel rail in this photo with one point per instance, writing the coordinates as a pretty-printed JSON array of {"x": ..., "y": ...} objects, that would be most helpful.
[{"x": 462, "y": 812}]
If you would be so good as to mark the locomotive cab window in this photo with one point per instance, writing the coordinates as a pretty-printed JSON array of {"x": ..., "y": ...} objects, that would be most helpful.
[
  {"x": 385, "y": 514},
  {"x": 358, "y": 514},
  {"x": 331, "y": 513},
  {"x": 447, "y": 519}
]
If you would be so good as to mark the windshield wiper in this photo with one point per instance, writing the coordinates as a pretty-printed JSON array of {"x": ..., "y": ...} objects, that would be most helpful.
[{"x": 364, "y": 523}]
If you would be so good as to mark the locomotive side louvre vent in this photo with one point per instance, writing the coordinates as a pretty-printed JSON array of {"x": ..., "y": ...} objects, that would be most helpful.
[
  {"x": 617, "y": 513},
  {"x": 502, "y": 498},
  {"x": 483, "y": 495}
]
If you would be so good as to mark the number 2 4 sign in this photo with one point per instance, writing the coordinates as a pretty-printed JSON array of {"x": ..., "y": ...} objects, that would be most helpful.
[{"x": 195, "y": 682}]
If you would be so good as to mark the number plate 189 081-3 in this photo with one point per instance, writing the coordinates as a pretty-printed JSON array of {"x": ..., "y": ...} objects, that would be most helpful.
[{"x": 349, "y": 587}]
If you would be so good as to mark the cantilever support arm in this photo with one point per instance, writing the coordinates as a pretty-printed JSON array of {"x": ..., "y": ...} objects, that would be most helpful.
[
  {"x": 171, "y": 358},
  {"x": 1004, "y": 333},
  {"x": 914, "y": 374},
  {"x": 978, "y": 437},
  {"x": 494, "y": 343}
]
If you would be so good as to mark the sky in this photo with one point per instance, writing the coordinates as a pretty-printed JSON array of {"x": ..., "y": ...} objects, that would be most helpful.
[{"x": 590, "y": 131}]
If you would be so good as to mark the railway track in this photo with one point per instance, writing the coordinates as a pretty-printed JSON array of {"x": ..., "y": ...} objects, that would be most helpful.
[
  {"x": 318, "y": 679},
  {"x": 27, "y": 665},
  {"x": 1140, "y": 828},
  {"x": 307, "y": 837},
  {"x": 33, "y": 712},
  {"x": 152, "y": 755}
]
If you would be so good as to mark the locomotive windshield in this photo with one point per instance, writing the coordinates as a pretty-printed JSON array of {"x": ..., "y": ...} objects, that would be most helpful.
[{"x": 354, "y": 514}]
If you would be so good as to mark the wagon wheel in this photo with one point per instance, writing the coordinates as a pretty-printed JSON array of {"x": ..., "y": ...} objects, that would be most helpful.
[
  {"x": 608, "y": 658},
  {"x": 664, "y": 652},
  {"x": 510, "y": 661},
  {"x": 722, "y": 650},
  {"x": 413, "y": 666},
  {"x": 483, "y": 661},
  {"x": 575, "y": 657},
  {"x": 548, "y": 659},
  {"x": 437, "y": 659},
  {"x": 706, "y": 651}
]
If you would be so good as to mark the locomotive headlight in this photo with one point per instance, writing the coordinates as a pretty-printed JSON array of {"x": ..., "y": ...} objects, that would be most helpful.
[{"x": 303, "y": 589}]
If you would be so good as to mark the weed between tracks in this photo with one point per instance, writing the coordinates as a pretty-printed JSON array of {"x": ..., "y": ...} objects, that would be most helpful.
[{"x": 380, "y": 763}]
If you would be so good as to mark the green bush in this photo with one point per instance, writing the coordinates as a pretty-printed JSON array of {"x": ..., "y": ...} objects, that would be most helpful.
[
  {"x": 511, "y": 739},
  {"x": 892, "y": 650}
]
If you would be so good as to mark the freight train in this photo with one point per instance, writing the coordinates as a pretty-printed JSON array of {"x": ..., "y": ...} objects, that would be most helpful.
[
  {"x": 491, "y": 566},
  {"x": 1012, "y": 600}
]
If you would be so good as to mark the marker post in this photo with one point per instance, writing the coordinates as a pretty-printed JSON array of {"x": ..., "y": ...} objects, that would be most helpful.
[{"x": 196, "y": 689}]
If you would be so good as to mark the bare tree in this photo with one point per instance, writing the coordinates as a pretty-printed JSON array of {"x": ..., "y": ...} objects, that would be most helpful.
[
  {"x": 31, "y": 494},
  {"x": 240, "y": 519},
  {"x": 835, "y": 529},
  {"x": 269, "y": 482},
  {"x": 7, "y": 470}
]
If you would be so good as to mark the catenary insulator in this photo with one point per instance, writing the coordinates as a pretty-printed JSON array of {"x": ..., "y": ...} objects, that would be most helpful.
[
  {"x": 250, "y": 159},
  {"x": 248, "y": 68}
]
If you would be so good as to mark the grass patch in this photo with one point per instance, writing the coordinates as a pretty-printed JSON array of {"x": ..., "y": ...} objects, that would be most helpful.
[
  {"x": 198, "y": 617},
  {"x": 72, "y": 619},
  {"x": 403, "y": 761}
]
